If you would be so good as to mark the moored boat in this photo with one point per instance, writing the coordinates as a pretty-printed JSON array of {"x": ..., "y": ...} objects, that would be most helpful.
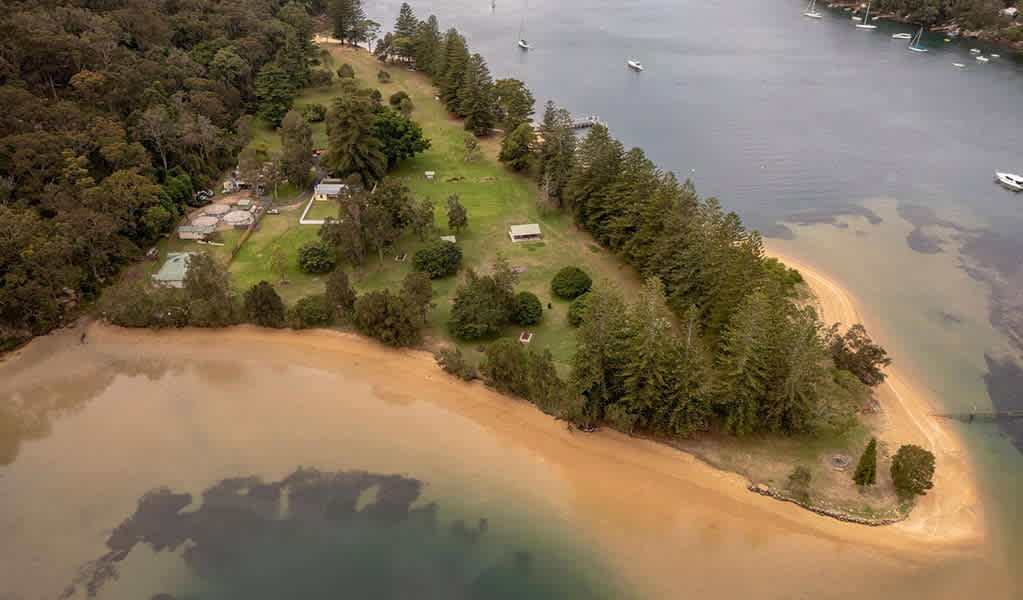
[
  {"x": 1010, "y": 181},
  {"x": 635, "y": 65}
]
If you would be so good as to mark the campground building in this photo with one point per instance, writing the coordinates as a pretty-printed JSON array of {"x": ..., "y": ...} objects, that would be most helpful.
[{"x": 525, "y": 233}]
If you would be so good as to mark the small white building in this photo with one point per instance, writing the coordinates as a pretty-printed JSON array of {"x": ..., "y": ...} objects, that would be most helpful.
[
  {"x": 1012, "y": 12},
  {"x": 195, "y": 232},
  {"x": 449, "y": 238},
  {"x": 329, "y": 191},
  {"x": 525, "y": 233}
]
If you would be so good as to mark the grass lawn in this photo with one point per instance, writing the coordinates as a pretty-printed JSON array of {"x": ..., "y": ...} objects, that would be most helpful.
[
  {"x": 494, "y": 196},
  {"x": 321, "y": 210}
]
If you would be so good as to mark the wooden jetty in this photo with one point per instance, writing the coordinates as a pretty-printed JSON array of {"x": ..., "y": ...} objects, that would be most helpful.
[
  {"x": 590, "y": 121},
  {"x": 987, "y": 416}
]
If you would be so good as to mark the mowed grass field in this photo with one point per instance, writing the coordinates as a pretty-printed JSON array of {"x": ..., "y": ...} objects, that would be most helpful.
[{"x": 494, "y": 196}]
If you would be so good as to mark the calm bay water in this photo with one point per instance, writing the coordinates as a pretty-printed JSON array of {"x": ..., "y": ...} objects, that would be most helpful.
[{"x": 869, "y": 162}]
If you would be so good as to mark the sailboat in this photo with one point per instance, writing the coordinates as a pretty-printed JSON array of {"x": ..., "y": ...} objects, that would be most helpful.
[
  {"x": 915, "y": 44},
  {"x": 811, "y": 10},
  {"x": 523, "y": 42},
  {"x": 866, "y": 20}
]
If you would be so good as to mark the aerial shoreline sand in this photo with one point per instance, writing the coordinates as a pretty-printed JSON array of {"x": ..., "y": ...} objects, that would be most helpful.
[
  {"x": 601, "y": 464},
  {"x": 952, "y": 508}
]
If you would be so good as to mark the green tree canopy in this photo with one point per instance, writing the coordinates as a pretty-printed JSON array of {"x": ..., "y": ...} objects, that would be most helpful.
[
  {"x": 388, "y": 318},
  {"x": 401, "y": 138},
  {"x": 275, "y": 92},
  {"x": 517, "y": 147},
  {"x": 263, "y": 306},
  {"x": 339, "y": 294},
  {"x": 316, "y": 257},
  {"x": 866, "y": 469},
  {"x": 483, "y": 304},
  {"x": 458, "y": 215},
  {"x": 312, "y": 311},
  {"x": 912, "y": 471},
  {"x": 352, "y": 143},
  {"x": 528, "y": 310},
  {"x": 437, "y": 259},
  {"x": 570, "y": 283}
]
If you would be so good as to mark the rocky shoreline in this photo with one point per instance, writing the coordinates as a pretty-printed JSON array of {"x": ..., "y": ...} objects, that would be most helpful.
[
  {"x": 992, "y": 36},
  {"x": 766, "y": 490}
]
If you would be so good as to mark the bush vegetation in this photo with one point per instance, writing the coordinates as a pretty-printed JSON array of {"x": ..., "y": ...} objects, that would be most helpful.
[{"x": 570, "y": 283}]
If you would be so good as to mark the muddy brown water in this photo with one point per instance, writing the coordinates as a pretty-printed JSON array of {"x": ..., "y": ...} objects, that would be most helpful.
[{"x": 248, "y": 463}]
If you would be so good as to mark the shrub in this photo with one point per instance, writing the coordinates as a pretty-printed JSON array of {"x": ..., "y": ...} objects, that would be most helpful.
[
  {"x": 376, "y": 95},
  {"x": 312, "y": 311},
  {"x": 577, "y": 309},
  {"x": 314, "y": 113},
  {"x": 346, "y": 71},
  {"x": 317, "y": 257},
  {"x": 396, "y": 98},
  {"x": 570, "y": 283},
  {"x": 388, "y": 318},
  {"x": 339, "y": 295},
  {"x": 452, "y": 361},
  {"x": 406, "y": 107},
  {"x": 263, "y": 306},
  {"x": 383, "y": 77},
  {"x": 504, "y": 367},
  {"x": 528, "y": 310},
  {"x": 799, "y": 482},
  {"x": 320, "y": 78},
  {"x": 912, "y": 470},
  {"x": 438, "y": 259}
]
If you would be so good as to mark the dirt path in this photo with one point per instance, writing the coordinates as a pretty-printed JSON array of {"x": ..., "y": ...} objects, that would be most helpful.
[{"x": 952, "y": 509}]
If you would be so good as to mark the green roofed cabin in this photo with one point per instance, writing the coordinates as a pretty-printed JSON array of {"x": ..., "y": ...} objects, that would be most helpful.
[{"x": 173, "y": 271}]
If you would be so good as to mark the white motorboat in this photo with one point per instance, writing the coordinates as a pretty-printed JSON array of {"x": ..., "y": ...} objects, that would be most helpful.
[
  {"x": 1010, "y": 181},
  {"x": 995, "y": 55},
  {"x": 811, "y": 11},
  {"x": 635, "y": 64},
  {"x": 903, "y": 36},
  {"x": 959, "y": 65},
  {"x": 982, "y": 59},
  {"x": 974, "y": 50},
  {"x": 524, "y": 45}
]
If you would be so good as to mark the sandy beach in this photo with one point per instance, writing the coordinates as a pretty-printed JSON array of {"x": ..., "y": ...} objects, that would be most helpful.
[
  {"x": 265, "y": 401},
  {"x": 951, "y": 511}
]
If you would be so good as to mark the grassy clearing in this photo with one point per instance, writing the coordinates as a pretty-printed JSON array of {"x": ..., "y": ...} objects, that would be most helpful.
[
  {"x": 495, "y": 198},
  {"x": 770, "y": 460},
  {"x": 321, "y": 210}
]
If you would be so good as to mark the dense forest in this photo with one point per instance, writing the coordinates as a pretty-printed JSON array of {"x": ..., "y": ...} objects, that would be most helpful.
[{"x": 115, "y": 113}]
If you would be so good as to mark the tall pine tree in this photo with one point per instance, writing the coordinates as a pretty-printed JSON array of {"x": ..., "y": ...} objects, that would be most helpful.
[
  {"x": 556, "y": 154},
  {"x": 352, "y": 145},
  {"x": 744, "y": 364},
  {"x": 347, "y": 16},
  {"x": 451, "y": 68},
  {"x": 476, "y": 97},
  {"x": 866, "y": 469}
]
